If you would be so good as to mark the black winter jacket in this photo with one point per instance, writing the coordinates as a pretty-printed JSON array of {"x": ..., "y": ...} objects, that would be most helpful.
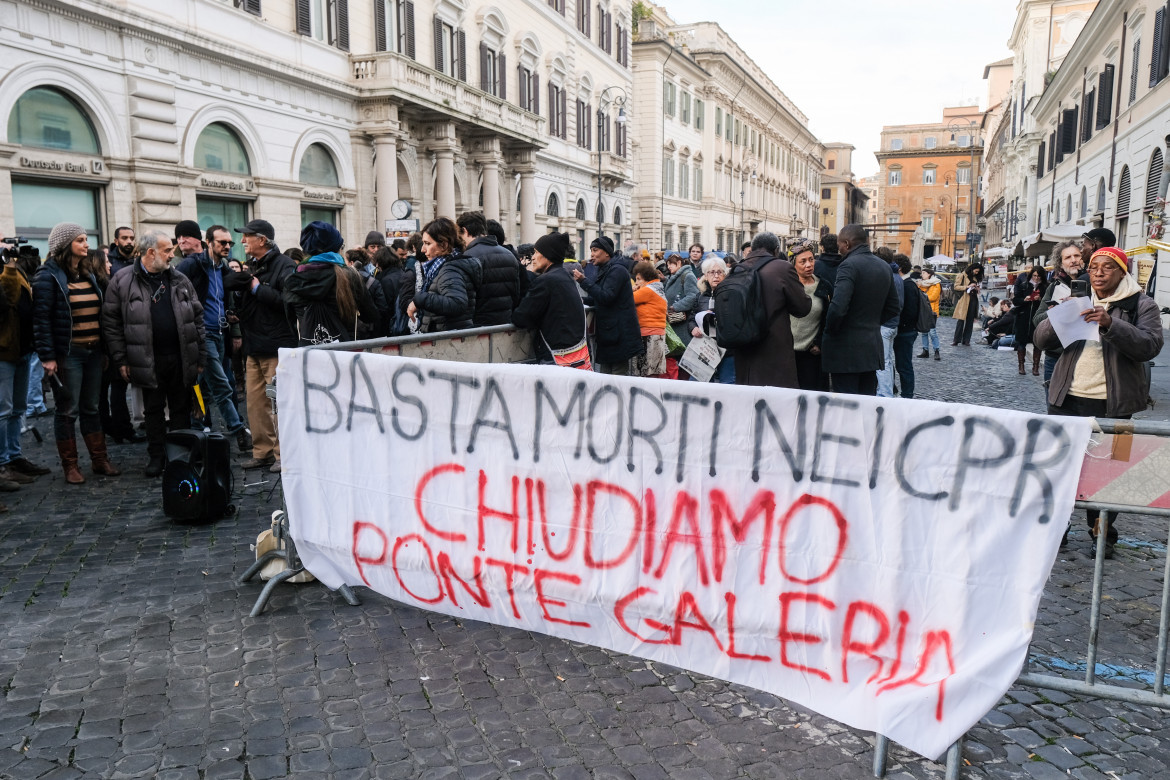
[
  {"x": 128, "y": 331},
  {"x": 262, "y": 315},
  {"x": 448, "y": 303},
  {"x": 618, "y": 334},
  {"x": 391, "y": 281},
  {"x": 826, "y": 267},
  {"x": 553, "y": 307},
  {"x": 118, "y": 261},
  {"x": 502, "y": 286},
  {"x": 52, "y": 317},
  {"x": 195, "y": 268},
  {"x": 368, "y": 329},
  {"x": 911, "y": 300},
  {"x": 310, "y": 296}
]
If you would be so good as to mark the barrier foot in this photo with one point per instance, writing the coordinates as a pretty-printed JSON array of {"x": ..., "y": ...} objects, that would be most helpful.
[
  {"x": 350, "y": 597},
  {"x": 954, "y": 759},
  {"x": 260, "y": 563},
  {"x": 262, "y": 599},
  {"x": 880, "y": 749}
]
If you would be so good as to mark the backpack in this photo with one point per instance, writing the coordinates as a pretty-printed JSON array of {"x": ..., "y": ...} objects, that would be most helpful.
[
  {"x": 738, "y": 301},
  {"x": 927, "y": 319}
]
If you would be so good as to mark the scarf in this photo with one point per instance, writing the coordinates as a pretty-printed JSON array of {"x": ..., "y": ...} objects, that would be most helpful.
[
  {"x": 430, "y": 270},
  {"x": 328, "y": 257}
]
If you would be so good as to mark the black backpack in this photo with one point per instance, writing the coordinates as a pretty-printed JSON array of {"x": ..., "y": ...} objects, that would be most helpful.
[
  {"x": 740, "y": 316},
  {"x": 927, "y": 319}
]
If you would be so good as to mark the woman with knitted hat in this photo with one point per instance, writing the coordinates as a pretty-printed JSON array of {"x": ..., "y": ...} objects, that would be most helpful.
[
  {"x": 326, "y": 299},
  {"x": 553, "y": 307},
  {"x": 1107, "y": 377},
  {"x": 67, "y": 304}
]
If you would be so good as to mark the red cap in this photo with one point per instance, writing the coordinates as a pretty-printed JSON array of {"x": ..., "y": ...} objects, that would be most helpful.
[{"x": 1113, "y": 253}]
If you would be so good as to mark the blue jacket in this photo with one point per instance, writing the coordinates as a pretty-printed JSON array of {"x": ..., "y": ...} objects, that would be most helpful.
[
  {"x": 52, "y": 317},
  {"x": 618, "y": 334}
]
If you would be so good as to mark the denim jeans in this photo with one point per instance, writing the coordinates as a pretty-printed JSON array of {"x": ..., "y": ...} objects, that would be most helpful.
[
  {"x": 724, "y": 372},
  {"x": 13, "y": 400},
  {"x": 885, "y": 376},
  {"x": 36, "y": 391},
  {"x": 77, "y": 392},
  {"x": 215, "y": 381},
  {"x": 904, "y": 361},
  {"x": 930, "y": 340}
]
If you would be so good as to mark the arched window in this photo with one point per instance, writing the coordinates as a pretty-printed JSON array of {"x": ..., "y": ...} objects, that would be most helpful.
[
  {"x": 219, "y": 149},
  {"x": 554, "y": 205},
  {"x": 1153, "y": 179},
  {"x": 50, "y": 119},
  {"x": 1084, "y": 202},
  {"x": 1101, "y": 195},
  {"x": 580, "y": 209},
  {"x": 1068, "y": 206},
  {"x": 317, "y": 167},
  {"x": 1123, "y": 194},
  {"x": 600, "y": 213},
  {"x": 617, "y": 215},
  {"x": 1056, "y": 216}
]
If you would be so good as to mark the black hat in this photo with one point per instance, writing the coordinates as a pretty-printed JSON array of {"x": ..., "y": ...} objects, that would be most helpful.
[
  {"x": 525, "y": 250},
  {"x": 603, "y": 243},
  {"x": 1103, "y": 236},
  {"x": 320, "y": 237},
  {"x": 188, "y": 228},
  {"x": 374, "y": 237},
  {"x": 258, "y": 227},
  {"x": 555, "y": 247}
]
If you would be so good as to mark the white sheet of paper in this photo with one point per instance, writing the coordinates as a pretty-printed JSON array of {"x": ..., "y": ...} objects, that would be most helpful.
[
  {"x": 1060, "y": 292},
  {"x": 1067, "y": 322}
]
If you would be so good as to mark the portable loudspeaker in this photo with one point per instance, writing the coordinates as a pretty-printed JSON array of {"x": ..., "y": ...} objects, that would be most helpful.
[{"x": 197, "y": 481}]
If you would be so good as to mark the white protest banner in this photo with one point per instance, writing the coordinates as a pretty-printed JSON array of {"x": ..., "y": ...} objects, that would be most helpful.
[{"x": 878, "y": 560}]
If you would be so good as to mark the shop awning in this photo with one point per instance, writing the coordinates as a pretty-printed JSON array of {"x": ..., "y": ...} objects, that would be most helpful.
[{"x": 1040, "y": 244}]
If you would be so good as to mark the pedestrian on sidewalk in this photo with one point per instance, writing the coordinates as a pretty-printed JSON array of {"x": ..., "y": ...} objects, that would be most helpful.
[
  {"x": 808, "y": 330},
  {"x": 1026, "y": 295},
  {"x": 153, "y": 325},
  {"x": 327, "y": 297},
  {"x": 67, "y": 303},
  {"x": 650, "y": 306},
  {"x": 618, "y": 335},
  {"x": 1106, "y": 378},
  {"x": 967, "y": 287},
  {"x": 889, "y": 327},
  {"x": 930, "y": 284},
  {"x": 552, "y": 305},
  {"x": 907, "y": 327},
  {"x": 442, "y": 291}
]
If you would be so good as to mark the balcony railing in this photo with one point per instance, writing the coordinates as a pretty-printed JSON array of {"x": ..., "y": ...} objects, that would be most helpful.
[
  {"x": 391, "y": 73},
  {"x": 614, "y": 169}
]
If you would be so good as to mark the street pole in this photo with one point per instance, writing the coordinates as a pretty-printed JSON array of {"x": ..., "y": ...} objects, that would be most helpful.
[{"x": 603, "y": 104}]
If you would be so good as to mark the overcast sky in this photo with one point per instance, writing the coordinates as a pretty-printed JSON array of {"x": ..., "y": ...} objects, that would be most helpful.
[{"x": 853, "y": 66}]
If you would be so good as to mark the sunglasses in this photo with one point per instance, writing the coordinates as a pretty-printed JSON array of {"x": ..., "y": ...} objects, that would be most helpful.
[{"x": 225, "y": 243}]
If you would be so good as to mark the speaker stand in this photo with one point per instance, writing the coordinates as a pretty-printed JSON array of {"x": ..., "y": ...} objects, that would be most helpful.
[{"x": 288, "y": 553}]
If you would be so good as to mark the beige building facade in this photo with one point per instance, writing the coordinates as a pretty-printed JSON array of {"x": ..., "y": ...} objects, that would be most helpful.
[
  {"x": 720, "y": 152},
  {"x": 145, "y": 112},
  {"x": 843, "y": 201}
]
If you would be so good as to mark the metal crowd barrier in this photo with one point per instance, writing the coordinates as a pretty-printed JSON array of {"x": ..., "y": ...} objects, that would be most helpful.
[
  {"x": 494, "y": 344},
  {"x": 1154, "y": 695}
]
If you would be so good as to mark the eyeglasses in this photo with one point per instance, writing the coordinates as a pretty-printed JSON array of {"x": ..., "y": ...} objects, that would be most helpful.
[
  {"x": 716, "y": 272},
  {"x": 225, "y": 243},
  {"x": 158, "y": 293}
]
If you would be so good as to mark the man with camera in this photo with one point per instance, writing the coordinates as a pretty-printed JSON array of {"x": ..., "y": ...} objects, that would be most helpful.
[{"x": 207, "y": 270}]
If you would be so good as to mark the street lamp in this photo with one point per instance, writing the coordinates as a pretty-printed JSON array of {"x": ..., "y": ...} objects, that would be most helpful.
[
  {"x": 971, "y": 126},
  {"x": 748, "y": 164},
  {"x": 604, "y": 101}
]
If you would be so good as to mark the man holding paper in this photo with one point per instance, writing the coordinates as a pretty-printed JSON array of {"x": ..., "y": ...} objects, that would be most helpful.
[
  {"x": 1068, "y": 262},
  {"x": 1101, "y": 372}
]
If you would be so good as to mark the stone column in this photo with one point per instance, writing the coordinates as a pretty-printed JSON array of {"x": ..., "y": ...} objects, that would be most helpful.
[
  {"x": 386, "y": 176},
  {"x": 445, "y": 183},
  {"x": 527, "y": 207},
  {"x": 491, "y": 189}
]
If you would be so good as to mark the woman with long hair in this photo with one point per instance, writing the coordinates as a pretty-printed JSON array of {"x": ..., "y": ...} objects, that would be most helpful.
[
  {"x": 326, "y": 299},
  {"x": 441, "y": 293},
  {"x": 1026, "y": 296},
  {"x": 67, "y": 302},
  {"x": 967, "y": 286}
]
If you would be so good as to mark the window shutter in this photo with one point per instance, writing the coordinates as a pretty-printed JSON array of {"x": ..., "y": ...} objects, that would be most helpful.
[
  {"x": 1133, "y": 70},
  {"x": 1070, "y": 129},
  {"x": 1105, "y": 96},
  {"x": 485, "y": 77},
  {"x": 502, "y": 68},
  {"x": 1123, "y": 194},
  {"x": 535, "y": 107},
  {"x": 437, "y": 31},
  {"x": 1153, "y": 179},
  {"x": 342, "y": 9},
  {"x": 461, "y": 53},
  {"x": 379, "y": 25},
  {"x": 1051, "y": 150},
  {"x": 552, "y": 110},
  {"x": 564, "y": 113},
  {"x": 588, "y": 18},
  {"x": 1087, "y": 119},
  {"x": 408, "y": 29},
  {"x": 251, "y": 6},
  {"x": 1040, "y": 162},
  {"x": 304, "y": 18},
  {"x": 1156, "y": 53}
]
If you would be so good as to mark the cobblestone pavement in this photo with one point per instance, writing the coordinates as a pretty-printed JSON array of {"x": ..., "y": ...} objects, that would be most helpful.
[{"x": 126, "y": 650}]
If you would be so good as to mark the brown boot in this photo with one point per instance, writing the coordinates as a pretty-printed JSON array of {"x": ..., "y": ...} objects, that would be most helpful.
[
  {"x": 1021, "y": 355},
  {"x": 1035, "y": 362},
  {"x": 96, "y": 443},
  {"x": 67, "y": 449}
]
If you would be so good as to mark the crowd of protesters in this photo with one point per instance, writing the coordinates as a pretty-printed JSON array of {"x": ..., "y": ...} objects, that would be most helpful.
[{"x": 839, "y": 316}]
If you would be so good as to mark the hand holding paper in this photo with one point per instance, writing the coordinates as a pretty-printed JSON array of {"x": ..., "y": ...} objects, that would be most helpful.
[{"x": 1068, "y": 321}]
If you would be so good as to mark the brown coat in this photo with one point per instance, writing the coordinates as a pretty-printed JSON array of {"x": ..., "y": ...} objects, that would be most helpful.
[
  {"x": 962, "y": 297},
  {"x": 12, "y": 286},
  {"x": 1134, "y": 337},
  {"x": 772, "y": 362}
]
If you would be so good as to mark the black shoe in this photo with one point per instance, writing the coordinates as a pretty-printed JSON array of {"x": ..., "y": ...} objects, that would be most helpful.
[
  {"x": 924, "y": 354},
  {"x": 156, "y": 466},
  {"x": 1108, "y": 549},
  {"x": 937, "y": 355},
  {"x": 244, "y": 439},
  {"x": 128, "y": 436},
  {"x": 27, "y": 467}
]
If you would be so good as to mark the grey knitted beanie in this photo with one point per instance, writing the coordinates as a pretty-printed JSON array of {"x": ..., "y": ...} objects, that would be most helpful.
[{"x": 62, "y": 236}]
